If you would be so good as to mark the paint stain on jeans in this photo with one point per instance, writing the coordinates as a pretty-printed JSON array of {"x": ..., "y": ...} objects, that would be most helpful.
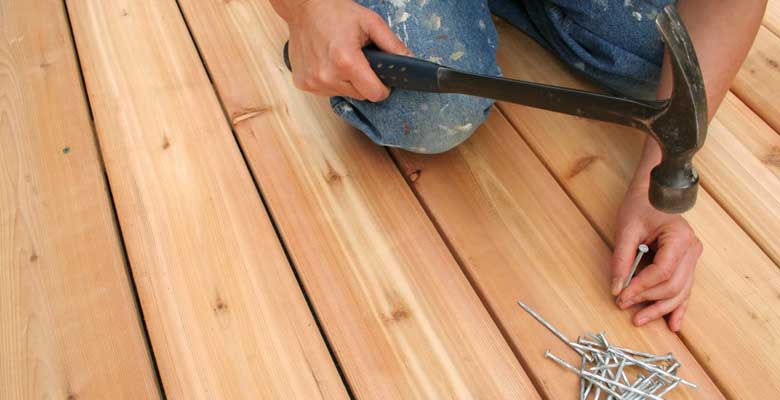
[{"x": 434, "y": 22}]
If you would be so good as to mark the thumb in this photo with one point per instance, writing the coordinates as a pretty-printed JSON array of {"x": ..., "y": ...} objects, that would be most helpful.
[
  {"x": 384, "y": 38},
  {"x": 622, "y": 258}
]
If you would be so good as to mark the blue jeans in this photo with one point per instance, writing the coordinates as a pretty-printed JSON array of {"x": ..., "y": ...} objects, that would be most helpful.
[{"x": 614, "y": 42}]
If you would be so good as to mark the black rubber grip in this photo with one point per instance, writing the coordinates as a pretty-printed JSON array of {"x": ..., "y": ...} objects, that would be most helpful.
[{"x": 397, "y": 71}]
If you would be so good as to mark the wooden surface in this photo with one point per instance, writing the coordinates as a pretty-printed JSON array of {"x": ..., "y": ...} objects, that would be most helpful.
[
  {"x": 739, "y": 170},
  {"x": 736, "y": 292},
  {"x": 772, "y": 16},
  {"x": 402, "y": 318},
  {"x": 69, "y": 324},
  {"x": 532, "y": 244},
  {"x": 277, "y": 253},
  {"x": 762, "y": 140},
  {"x": 757, "y": 83},
  {"x": 224, "y": 312}
]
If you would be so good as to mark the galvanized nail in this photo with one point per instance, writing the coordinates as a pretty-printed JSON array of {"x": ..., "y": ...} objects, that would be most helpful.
[
  {"x": 552, "y": 329},
  {"x": 595, "y": 377},
  {"x": 640, "y": 252}
]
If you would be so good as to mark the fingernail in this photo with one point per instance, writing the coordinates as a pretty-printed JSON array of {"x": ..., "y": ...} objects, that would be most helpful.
[
  {"x": 641, "y": 321},
  {"x": 616, "y": 286}
]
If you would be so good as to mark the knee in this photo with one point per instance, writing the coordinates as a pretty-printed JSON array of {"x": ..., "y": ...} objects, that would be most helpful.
[
  {"x": 457, "y": 35},
  {"x": 441, "y": 123},
  {"x": 419, "y": 122}
]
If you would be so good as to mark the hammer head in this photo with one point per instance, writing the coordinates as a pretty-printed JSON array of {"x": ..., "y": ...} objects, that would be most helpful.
[{"x": 681, "y": 127}]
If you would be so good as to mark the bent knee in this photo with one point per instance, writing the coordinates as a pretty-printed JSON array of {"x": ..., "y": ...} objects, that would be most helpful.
[
  {"x": 441, "y": 125},
  {"x": 420, "y": 122}
]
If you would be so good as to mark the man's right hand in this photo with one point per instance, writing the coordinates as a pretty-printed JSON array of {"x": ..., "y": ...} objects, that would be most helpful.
[{"x": 326, "y": 39}]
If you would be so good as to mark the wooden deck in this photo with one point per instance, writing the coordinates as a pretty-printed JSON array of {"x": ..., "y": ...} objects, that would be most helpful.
[{"x": 177, "y": 220}]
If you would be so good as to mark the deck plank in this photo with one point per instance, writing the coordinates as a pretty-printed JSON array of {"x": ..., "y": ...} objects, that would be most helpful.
[
  {"x": 755, "y": 135},
  {"x": 401, "y": 317},
  {"x": 521, "y": 238},
  {"x": 736, "y": 292},
  {"x": 742, "y": 178},
  {"x": 758, "y": 81},
  {"x": 69, "y": 325},
  {"x": 772, "y": 16},
  {"x": 225, "y": 314}
]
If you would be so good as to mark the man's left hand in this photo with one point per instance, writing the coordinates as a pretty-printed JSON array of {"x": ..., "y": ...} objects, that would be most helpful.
[{"x": 665, "y": 285}]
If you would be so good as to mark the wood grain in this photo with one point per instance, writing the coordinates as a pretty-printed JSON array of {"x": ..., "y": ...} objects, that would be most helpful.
[
  {"x": 401, "y": 317},
  {"x": 225, "y": 314},
  {"x": 755, "y": 135},
  {"x": 733, "y": 322},
  {"x": 69, "y": 325},
  {"x": 772, "y": 16},
  {"x": 758, "y": 81},
  {"x": 742, "y": 178},
  {"x": 521, "y": 238}
]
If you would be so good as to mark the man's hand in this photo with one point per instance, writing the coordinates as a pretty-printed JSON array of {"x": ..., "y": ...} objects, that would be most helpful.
[
  {"x": 326, "y": 38},
  {"x": 666, "y": 283}
]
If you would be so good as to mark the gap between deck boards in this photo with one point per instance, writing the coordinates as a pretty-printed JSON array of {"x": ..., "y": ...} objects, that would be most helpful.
[
  {"x": 250, "y": 114},
  {"x": 525, "y": 364},
  {"x": 407, "y": 179},
  {"x": 114, "y": 216},
  {"x": 745, "y": 98},
  {"x": 704, "y": 365},
  {"x": 232, "y": 122}
]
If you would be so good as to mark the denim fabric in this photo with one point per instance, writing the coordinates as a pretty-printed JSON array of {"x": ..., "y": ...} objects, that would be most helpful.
[{"x": 613, "y": 42}]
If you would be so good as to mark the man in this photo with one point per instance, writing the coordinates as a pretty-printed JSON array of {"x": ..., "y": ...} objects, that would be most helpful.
[{"x": 614, "y": 42}]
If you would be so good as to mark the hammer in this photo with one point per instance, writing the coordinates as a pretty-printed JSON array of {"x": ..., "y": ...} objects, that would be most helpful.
[{"x": 678, "y": 124}]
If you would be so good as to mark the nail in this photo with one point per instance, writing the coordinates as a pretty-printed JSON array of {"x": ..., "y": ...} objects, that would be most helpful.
[
  {"x": 666, "y": 375},
  {"x": 582, "y": 381},
  {"x": 596, "y": 379},
  {"x": 641, "y": 251},
  {"x": 622, "y": 365},
  {"x": 635, "y": 352},
  {"x": 552, "y": 329},
  {"x": 668, "y": 389},
  {"x": 641, "y": 321}
]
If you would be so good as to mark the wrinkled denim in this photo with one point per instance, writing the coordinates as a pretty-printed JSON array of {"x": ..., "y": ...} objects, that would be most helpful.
[{"x": 613, "y": 42}]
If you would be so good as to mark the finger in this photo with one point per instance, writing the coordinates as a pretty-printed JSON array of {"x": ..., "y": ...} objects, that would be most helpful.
[
  {"x": 346, "y": 89},
  {"x": 654, "y": 311},
  {"x": 665, "y": 262},
  {"x": 662, "y": 307},
  {"x": 665, "y": 290},
  {"x": 383, "y": 37},
  {"x": 623, "y": 257},
  {"x": 366, "y": 82},
  {"x": 676, "y": 318}
]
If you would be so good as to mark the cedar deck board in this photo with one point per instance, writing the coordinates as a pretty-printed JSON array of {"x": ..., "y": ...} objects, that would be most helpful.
[
  {"x": 756, "y": 136},
  {"x": 521, "y": 238},
  {"x": 757, "y": 82},
  {"x": 736, "y": 294},
  {"x": 746, "y": 302},
  {"x": 772, "y": 16},
  {"x": 70, "y": 325},
  {"x": 738, "y": 170},
  {"x": 399, "y": 314},
  {"x": 225, "y": 314}
]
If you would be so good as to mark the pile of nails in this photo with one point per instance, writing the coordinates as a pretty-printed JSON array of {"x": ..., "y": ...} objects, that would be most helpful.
[{"x": 617, "y": 373}]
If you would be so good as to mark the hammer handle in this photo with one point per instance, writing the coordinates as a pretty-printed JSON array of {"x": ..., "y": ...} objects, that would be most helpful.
[{"x": 396, "y": 71}]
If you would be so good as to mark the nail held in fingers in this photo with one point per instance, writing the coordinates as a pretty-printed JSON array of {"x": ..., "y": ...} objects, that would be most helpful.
[{"x": 641, "y": 251}]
